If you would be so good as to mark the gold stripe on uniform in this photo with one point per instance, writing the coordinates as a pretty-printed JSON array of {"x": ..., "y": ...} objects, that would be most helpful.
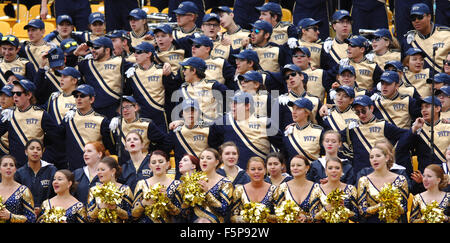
[{"x": 101, "y": 81}]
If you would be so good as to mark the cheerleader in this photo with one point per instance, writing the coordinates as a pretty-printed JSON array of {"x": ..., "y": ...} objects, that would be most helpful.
[
  {"x": 319, "y": 205},
  {"x": 17, "y": 198},
  {"x": 230, "y": 156},
  {"x": 257, "y": 190},
  {"x": 434, "y": 181},
  {"x": 381, "y": 159},
  {"x": 159, "y": 164},
  {"x": 189, "y": 164},
  {"x": 107, "y": 171},
  {"x": 299, "y": 188},
  {"x": 64, "y": 185}
]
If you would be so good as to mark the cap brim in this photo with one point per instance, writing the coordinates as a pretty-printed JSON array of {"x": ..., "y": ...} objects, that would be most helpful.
[
  {"x": 97, "y": 19},
  {"x": 58, "y": 63},
  {"x": 179, "y": 11}
]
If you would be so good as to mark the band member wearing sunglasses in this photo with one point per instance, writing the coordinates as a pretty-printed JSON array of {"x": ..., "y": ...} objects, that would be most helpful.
[
  {"x": 82, "y": 125},
  {"x": 282, "y": 30},
  {"x": 271, "y": 56},
  {"x": 360, "y": 136},
  {"x": 308, "y": 36},
  {"x": 103, "y": 73},
  {"x": 385, "y": 48},
  {"x": 426, "y": 36},
  {"x": 446, "y": 64},
  {"x": 26, "y": 121},
  {"x": 37, "y": 47},
  {"x": 296, "y": 84},
  {"x": 10, "y": 47}
]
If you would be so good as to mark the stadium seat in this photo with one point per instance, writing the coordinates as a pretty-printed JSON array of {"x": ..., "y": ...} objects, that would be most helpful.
[
  {"x": 49, "y": 27},
  {"x": 166, "y": 11},
  {"x": 5, "y": 28},
  {"x": 98, "y": 8},
  {"x": 34, "y": 12},
  {"x": 287, "y": 15},
  {"x": 18, "y": 30}
]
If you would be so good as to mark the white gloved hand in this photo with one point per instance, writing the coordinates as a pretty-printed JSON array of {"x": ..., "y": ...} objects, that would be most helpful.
[
  {"x": 196, "y": 35},
  {"x": 352, "y": 125},
  {"x": 375, "y": 97},
  {"x": 344, "y": 62},
  {"x": 370, "y": 56},
  {"x": 114, "y": 124},
  {"x": 55, "y": 95},
  {"x": 88, "y": 56},
  {"x": 327, "y": 45},
  {"x": 69, "y": 115},
  {"x": 292, "y": 42},
  {"x": 332, "y": 94},
  {"x": 130, "y": 72},
  {"x": 283, "y": 100},
  {"x": 289, "y": 130},
  {"x": 379, "y": 86},
  {"x": 7, "y": 114}
]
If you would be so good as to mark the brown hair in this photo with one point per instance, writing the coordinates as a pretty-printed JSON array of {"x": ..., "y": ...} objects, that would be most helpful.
[
  {"x": 112, "y": 164},
  {"x": 334, "y": 159},
  {"x": 99, "y": 147},
  {"x": 386, "y": 148},
  {"x": 439, "y": 172},
  {"x": 228, "y": 144},
  {"x": 70, "y": 177},
  {"x": 216, "y": 154},
  {"x": 135, "y": 131},
  {"x": 194, "y": 160},
  {"x": 8, "y": 157},
  {"x": 302, "y": 157},
  {"x": 256, "y": 159}
]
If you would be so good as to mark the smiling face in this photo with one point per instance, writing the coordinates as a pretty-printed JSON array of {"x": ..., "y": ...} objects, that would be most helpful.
[
  {"x": 416, "y": 63},
  {"x": 230, "y": 156},
  {"x": 34, "y": 152},
  {"x": 333, "y": 170},
  {"x": 430, "y": 179},
  {"x": 256, "y": 170},
  {"x": 298, "y": 167},
  {"x": 9, "y": 52},
  {"x": 342, "y": 100}
]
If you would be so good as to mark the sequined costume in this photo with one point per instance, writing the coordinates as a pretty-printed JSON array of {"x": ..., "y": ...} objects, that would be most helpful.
[
  {"x": 419, "y": 204},
  {"x": 283, "y": 193},
  {"x": 240, "y": 197},
  {"x": 74, "y": 214},
  {"x": 21, "y": 206}
]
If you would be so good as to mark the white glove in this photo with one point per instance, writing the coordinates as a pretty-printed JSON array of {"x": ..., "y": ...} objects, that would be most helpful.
[
  {"x": 379, "y": 86},
  {"x": 88, "y": 56},
  {"x": 130, "y": 72},
  {"x": 370, "y": 56},
  {"x": 289, "y": 131},
  {"x": 69, "y": 115},
  {"x": 327, "y": 45},
  {"x": 114, "y": 124},
  {"x": 196, "y": 35},
  {"x": 352, "y": 125},
  {"x": 292, "y": 42},
  {"x": 7, "y": 114},
  {"x": 375, "y": 97},
  {"x": 344, "y": 62},
  {"x": 332, "y": 94},
  {"x": 283, "y": 100},
  {"x": 55, "y": 95}
]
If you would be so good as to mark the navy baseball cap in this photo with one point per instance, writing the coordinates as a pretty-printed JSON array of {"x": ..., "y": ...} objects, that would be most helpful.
[
  {"x": 35, "y": 23},
  {"x": 440, "y": 78},
  {"x": 202, "y": 40},
  {"x": 64, "y": 17},
  {"x": 7, "y": 90},
  {"x": 70, "y": 71},
  {"x": 10, "y": 40},
  {"x": 444, "y": 89},
  {"x": 251, "y": 76},
  {"x": 84, "y": 89},
  {"x": 397, "y": 65},
  {"x": 302, "y": 103},
  {"x": 55, "y": 57},
  {"x": 101, "y": 41},
  {"x": 243, "y": 97},
  {"x": 130, "y": 99},
  {"x": 350, "y": 68},
  {"x": 164, "y": 28},
  {"x": 419, "y": 9},
  {"x": 358, "y": 40},
  {"x": 211, "y": 16},
  {"x": 362, "y": 100},
  {"x": 68, "y": 45},
  {"x": 413, "y": 51},
  {"x": 194, "y": 62},
  {"x": 10, "y": 73},
  {"x": 390, "y": 77},
  {"x": 145, "y": 46},
  {"x": 248, "y": 54},
  {"x": 307, "y": 22},
  {"x": 303, "y": 49},
  {"x": 118, "y": 34},
  {"x": 347, "y": 89},
  {"x": 263, "y": 25},
  {"x": 190, "y": 103},
  {"x": 26, "y": 84},
  {"x": 295, "y": 68},
  {"x": 137, "y": 13},
  {"x": 429, "y": 100},
  {"x": 221, "y": 9},
  {"x": 272, "y": 7},
  {"x": 383, "y": 32},
  {"x": 187, "y": 7},
  {"x": 340, "y": 14},
  {"x": 96, "y": 16}
]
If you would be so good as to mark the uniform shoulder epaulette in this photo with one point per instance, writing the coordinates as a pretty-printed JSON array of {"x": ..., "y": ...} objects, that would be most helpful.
[
  {"x": 142, "y": 119},
  {"x": 37, "y": 108},
  {"x": 159, "y": 65},
  {"x": 316, "y": 126},
  {"x": 379, "y": 120},
  {"x": 98, "y": 114},
  {"x": 210, "y": 80},
  {"x": 23, "y": 59},
  {"x": 370, "y": 62},
  {"x": 185, "y": 84},
  {"x": 215, "y": 57},
  {"x": 285, "y": 23},
  {"x": 311, "y": 95},
  {"x": 359, "y": 89},
  {"x": 406, "y": 84},
  {"x": 442, "y": 28},
  {"x": 395, "y": 50},
  {"x": 245, "y": 30},
  {"x": 402, "y": 96}
]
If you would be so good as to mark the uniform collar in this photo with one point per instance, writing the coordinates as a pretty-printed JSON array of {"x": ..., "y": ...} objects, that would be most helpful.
[
  {"x": 88, "y": 113},
  {"x": 298, "y": 95},
  {"x": 433, "y": 28},
  {"x": 302, "y": 127},
  {"x": 393, "y": 98},
  {"x": 26, "y": 109},
  {"x": 344, "y": 111},
  {"x": 437, "y": 122},
  {"x": 371, "y": 120},
  {"x": 237, "y": 30}
]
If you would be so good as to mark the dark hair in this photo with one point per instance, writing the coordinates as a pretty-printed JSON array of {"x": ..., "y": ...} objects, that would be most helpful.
[
  {"x": 70, "y": 177},
  {"x": 112, "y": 164},
  {"x": 161, "y": 153},
  {"x": 278, "y": 18},
  {"x": 29, "y": 142},
  {"x": 200, "y": 74},
  {"x": 216, "y": 154},
  {"x": 194, "y": 160},
  {"x": 8, "y": 157},
  {"x": 277, "y": 155},
  {"x": 302, "y": 157}
]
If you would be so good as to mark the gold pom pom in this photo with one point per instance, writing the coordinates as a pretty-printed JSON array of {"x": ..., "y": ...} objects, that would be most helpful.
[
  {"x": 339, "y": 213},
  {"x": 255, "y": 212},
  {"x": 159, "y": 209},
  {"x": 288, "y": 212},
  {"x": 433, "y": 213},
  {"x": 391, "y": 207},
  {"x": 191, "y": 190},
  {"x": 108, "y": 193},
  {"x": 54, "y": 215},
  {"x": 2, "y": 206}
]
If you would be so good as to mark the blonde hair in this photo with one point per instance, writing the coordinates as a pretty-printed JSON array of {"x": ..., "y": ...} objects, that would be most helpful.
[
  {"x": 256, "y": 159},
  {"x": 439, "y": 172},
  {"x": 387, "y": 149}
]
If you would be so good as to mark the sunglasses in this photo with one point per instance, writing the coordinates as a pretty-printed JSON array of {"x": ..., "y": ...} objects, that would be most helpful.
[
  {"x": 256, "y": 31},
  {"x": 446, "y": 62},
  {"x": 139, "y": 51},
  {"x": 79, "y": 96},
  {"x": 362, "y": 111},
  {"x": 197, "y": 46},
  {"x": 379, "y": 38},
  {"x": 18, "y": 93},
  {"x": 290, "y": 75},
  {"x": 69, "y": 44},
  {"x": 96, "y": 47},
  {"x": 415, "y": 16},
  {"x": 8, "y": 38},
  {"x": 315, "y": 28}
]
